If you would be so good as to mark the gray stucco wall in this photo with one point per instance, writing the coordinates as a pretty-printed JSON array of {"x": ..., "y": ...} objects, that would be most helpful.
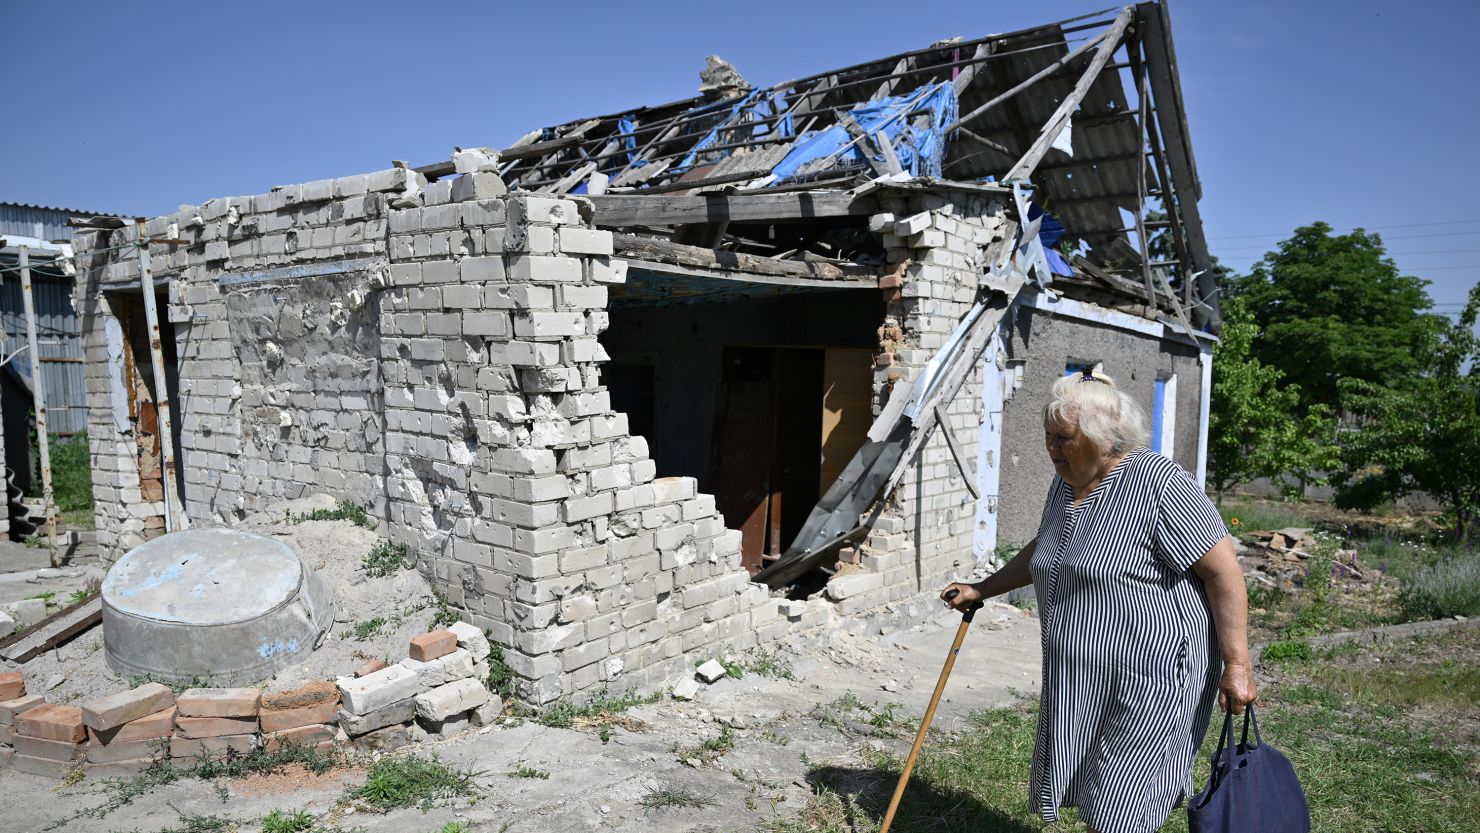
[{"x": 1048, "y": 343}]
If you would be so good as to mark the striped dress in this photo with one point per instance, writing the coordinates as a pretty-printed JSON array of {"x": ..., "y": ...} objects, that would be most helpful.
[{"x": 1130, "y": 660}]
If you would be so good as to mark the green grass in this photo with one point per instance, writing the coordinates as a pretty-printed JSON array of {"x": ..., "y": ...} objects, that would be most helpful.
[
  {"x": 283, "y": 821},
  {"x": 500, "y": 673},
  {"x": 663, "y": 798},
  {"x": 564, "y": 714},
  {"x": 410, "y": 781},
  {"x": 49, "y": 597},
  {"x": 1383, "y": 739},
  {"x": 78, "y": 596},
  {"x": 454, "y": 827},
  {"x": 204, "y": 824},
  {"x": 386, "y": 558},
  {"x": 708, "y": 751},
  {"x": 530, "y": 772},
  {"x": 345, "y": 511},
  {"x": 767, "y": 663},
  {"x": 1243, "y": 516},
  {"x": 366, "y": 630}
]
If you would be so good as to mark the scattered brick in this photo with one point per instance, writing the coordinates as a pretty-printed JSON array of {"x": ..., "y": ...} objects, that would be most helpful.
[
  {"x": 161, "y": 724},
  {"x": 371, "y": 692},
  {"x": 309, "y": 694},
  {"x": 55, "y": 770},
  {"x": 280, "y": 720},
  {"x": 219, "y": 702},
  {"x": 10, "y": 708},
  {"x": 369, "y": 666},
  {"x": 211, "y": 747},
  {"x": 12, "y": 685},
  {"x": 114, "y": 710},
  {"x": 113, "y": 753},
  {"x": 214, "y": 727},
  {"x": 431, "y": 645},
  {"x": 315, "y": 737},
  {"x": 52, "y": 722},
  {"x": 116, "y": 769},
  {"x": 52, "y": 750}
]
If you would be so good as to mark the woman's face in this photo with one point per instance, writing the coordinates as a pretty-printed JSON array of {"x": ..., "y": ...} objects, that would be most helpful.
[{"x": 1077, "y": 460}]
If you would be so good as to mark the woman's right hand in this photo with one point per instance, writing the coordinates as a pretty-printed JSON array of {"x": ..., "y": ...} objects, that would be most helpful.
[{"x": 967, "y": 595}]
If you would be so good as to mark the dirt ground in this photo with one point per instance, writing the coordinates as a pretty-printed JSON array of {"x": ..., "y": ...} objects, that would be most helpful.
[{"x": 782, "y": 728}]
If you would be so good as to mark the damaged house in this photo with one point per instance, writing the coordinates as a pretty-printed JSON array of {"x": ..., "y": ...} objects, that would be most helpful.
[{"x": 686, "y": 378}]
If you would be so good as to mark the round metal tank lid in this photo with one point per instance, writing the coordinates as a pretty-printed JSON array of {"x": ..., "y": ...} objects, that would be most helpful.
[{"x": 204, "y": 577}]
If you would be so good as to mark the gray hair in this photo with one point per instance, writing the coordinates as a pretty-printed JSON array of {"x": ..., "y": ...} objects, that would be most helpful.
[{"x": 1107, "y": 415}]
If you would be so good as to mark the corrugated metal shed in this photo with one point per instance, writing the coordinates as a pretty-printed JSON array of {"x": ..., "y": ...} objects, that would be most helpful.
[
  {"x": 37, "y": 221},
  {"x": 58, "y": 341}
]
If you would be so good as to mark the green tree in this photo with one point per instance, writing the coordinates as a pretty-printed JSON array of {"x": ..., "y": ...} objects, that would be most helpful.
[
  {"x": 1422, "y": 435},
  {"x": 1333, "y": 306},
  {"x": 1252, "y": 429}
]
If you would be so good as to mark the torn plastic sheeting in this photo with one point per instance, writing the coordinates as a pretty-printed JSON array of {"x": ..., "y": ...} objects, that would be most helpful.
[
  {"x": 757, "y": 104},
  {"x": 1050, "y": 231},
  {"x": 920, "y": 150}
]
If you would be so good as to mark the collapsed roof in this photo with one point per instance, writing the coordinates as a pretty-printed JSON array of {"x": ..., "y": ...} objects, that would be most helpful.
[{"x": 1086, "y": 112}]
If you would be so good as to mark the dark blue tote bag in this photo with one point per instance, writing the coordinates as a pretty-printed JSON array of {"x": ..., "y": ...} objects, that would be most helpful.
[{"x": 1252, "y": 789}]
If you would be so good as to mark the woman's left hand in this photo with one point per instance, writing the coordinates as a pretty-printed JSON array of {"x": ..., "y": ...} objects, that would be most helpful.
[{"x": 1237, "y": 688}]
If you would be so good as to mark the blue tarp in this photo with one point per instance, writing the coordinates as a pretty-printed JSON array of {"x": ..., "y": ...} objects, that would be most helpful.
[
  {"x": 920, "y": 150},
  {"x": 1049, "y": 233},
  {"x": 758, "y": 105}
]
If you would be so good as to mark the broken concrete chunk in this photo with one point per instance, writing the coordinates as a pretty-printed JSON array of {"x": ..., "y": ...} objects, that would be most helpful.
[
  {"x": 488, "y": 713},
  {"x": 470, "y": 637},
  {"x": 446, "y": 728},
  {"x": 114, "y": 710},
  {"x": 445, "y": 701},
  {"x": 429, "y": 646},
  {"x": 711, "y": 671},
  {"x": 364, "y": 695},
  {"x": 687, "y": 689},
  {"x": 474, "y": 160}
]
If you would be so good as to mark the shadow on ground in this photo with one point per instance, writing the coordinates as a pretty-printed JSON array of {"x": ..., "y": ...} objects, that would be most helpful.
[{"x": 926, "y": 808}]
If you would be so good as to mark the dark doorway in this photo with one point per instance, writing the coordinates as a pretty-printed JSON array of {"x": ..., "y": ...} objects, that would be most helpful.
[{"x": 764, "y": 464}]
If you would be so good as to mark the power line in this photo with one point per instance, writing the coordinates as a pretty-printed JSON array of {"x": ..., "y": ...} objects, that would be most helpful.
[{"x": 1365, "y": 228}]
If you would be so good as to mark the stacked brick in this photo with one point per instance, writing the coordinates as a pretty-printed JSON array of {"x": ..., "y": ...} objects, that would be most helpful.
[
  {"x": 540, "y": 513},
  {"x": 438, "y": 685},
  {"x": 924, "y": 539},
  {"x": 282, "y": 427},
  {"x": 462, "y": 402}
]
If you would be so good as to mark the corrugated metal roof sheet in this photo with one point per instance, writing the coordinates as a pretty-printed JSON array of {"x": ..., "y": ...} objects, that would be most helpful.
[{"x": 40, "y": 221}]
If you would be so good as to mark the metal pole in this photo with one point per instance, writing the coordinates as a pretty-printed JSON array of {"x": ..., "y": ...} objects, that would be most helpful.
[
  {"x": 38, "y": 391},
  {"x": 161, "y": 388}
]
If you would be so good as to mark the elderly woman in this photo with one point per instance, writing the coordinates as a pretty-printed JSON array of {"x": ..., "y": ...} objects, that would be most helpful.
[{"x": 1143, "y": 612}]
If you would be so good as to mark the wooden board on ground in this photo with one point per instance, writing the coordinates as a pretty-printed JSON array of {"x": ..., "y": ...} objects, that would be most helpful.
[{"x": 53, "y": 631}]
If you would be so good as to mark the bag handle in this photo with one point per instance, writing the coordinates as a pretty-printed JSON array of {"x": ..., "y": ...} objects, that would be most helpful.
[{"x": 1250, "y": 718}]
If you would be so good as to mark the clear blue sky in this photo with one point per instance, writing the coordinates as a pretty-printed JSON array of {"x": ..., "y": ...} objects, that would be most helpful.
[{"x": 1356, "y": 112}]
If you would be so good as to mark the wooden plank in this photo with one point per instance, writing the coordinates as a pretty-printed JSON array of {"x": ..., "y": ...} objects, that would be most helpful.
[
  {"x": 54, "y": 630},
  {"x": 891, "y": 159},
  {"x": 748, "y": 277},
  {"x": 619, "y": 210},
  {"x": 664, "y": 251},
  {"x": 1108, "y": 43},
  {"x": 1156, "y": 40}
]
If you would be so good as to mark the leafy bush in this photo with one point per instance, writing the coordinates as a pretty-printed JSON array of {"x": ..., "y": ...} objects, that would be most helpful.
[
  {"x": 71, "y": 473},
  {"x": 1448, "y": 588},
  {"x": 386, "y": 558}
]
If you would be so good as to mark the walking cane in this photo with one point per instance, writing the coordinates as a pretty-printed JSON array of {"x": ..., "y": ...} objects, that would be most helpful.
[{"x": 940, "y": 686}]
